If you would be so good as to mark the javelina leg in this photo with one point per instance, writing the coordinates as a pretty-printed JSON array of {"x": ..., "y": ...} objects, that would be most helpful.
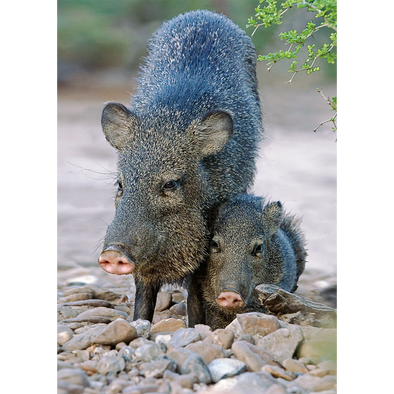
[
  {"x": 195, "y": 311},
  {"x": 145, "y": 300}
]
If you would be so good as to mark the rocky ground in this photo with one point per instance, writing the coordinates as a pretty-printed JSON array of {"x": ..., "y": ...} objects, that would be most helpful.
[{"x": 101, "y": 350}]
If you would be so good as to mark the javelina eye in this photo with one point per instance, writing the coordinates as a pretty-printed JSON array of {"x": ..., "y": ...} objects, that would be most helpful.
[
  {"x": 258, "y": 250},
  {"x": 120, "y": 188},
  {"x": 170, "y": 185},
  {"x": 215, "y": 246}
]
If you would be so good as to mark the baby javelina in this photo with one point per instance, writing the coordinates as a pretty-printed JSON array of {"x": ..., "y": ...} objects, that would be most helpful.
[{"x": 254, "y": 242}]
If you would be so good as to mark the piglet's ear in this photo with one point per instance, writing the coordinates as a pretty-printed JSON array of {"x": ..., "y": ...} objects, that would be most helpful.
[
  {"x": 272, "y": 217},
  {"x": 118, "y": 124},
  {"x": 211, "y": 133}
]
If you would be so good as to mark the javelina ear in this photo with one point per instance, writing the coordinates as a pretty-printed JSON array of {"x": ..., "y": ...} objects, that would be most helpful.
[
  {"x": 211, "y": 133},
  {"x": 272, "y": 217},
  {"x": 118, "y": 123}
]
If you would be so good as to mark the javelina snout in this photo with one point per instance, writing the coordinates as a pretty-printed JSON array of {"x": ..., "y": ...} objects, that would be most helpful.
[
  {"x": 130, "y": 239},
  {"x": 113, "y": 261},
  {"x": 230, "y": 299}
]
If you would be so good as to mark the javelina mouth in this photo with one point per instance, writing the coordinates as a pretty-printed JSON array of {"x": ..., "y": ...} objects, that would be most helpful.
[{"x": 115, "y": 261}]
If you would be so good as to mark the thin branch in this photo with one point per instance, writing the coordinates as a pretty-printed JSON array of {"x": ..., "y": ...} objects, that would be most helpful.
[{"x": 326, "y": 121}]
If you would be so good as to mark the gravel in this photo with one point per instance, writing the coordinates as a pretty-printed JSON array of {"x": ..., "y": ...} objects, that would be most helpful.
[{"x": 101, "y": 350}]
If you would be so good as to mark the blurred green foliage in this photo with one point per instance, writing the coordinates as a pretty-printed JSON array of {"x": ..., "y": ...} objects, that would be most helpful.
[{"x": 99, "y": 34}]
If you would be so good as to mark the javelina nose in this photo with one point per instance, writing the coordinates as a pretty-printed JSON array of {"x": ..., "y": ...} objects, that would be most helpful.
[
  {"x": 230, "y": 299},
  {"x": 115, "y": 262}
]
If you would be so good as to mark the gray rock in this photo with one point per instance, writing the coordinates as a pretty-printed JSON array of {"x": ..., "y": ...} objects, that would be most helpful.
[
  {"x": 127, "y": 353},
  {"x": 163, "y": 338},
  {"x": 248, "y": 382},
  {"x": 148, "y": 352},
  {"x": 314, "y": 383},
  {"x": 179, "y": 355},
  {"x": 155, "y": 369},
  {"x": 139, "y": 342},
  {"x": 111, "y": 363},
  {"x": 142, "y": 327},
  {"x": 183, "y": 336},
  {"x": 253, "y": 323},
  {"x": 83, "y": 340},
  {"x": 64, "y": 387},
  {"x": 163, "y": 301},
  {"x": 243, "y": 353},
  {"x": 282, "y": 343},
  {"x": 221, "y": 337},
  {"x": 89, "y": 302},
  {"x": 194, "y": 364},
  {"x": 225, "y": 367},
  {"x": 64, "y": 334},
  {"x": 65, "y": 312},
  {"x": 117, "y": 331},
  {"x": 140, "y": 389},
  {"x": 101, "y": 311},
  {"x": 207, "y": 351},
  {"x": 73, "y": 376}
]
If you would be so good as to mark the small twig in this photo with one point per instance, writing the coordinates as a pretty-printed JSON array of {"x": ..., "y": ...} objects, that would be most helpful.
[
  {"x": 333, "y": 106},
  {"x": 326, "y": 121}
]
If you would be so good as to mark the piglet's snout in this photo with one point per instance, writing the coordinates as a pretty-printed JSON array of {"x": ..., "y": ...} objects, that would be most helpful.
[
  {"x": 230, "y": 299},
  {"x": 115, "y": 262}
]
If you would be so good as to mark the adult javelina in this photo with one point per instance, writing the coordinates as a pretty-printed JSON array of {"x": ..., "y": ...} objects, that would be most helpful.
[
  {"x": 253, "y": 243},
  {"x": 188, "y": 142}
]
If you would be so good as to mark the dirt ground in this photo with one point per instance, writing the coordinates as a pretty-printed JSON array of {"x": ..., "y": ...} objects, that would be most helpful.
[{"x": 296, "y": 166}]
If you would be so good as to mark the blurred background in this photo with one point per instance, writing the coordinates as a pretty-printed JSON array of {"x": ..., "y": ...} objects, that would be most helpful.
[{"x": 100, "y": 46}]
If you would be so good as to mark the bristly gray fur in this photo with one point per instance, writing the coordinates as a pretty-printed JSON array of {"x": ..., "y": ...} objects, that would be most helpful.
[
  {"x": 242, "y": 224},
  {"x": 195, "y": 119}
]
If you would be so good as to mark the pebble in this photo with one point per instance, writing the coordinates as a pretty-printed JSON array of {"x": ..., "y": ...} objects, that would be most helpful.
[
  {"x": 83, "y": 340},
  {"x": 142, "y": 327},
  {"x": 222, "y": 337},
  {"x": 73, "y": 376},
  {"x": 207, "y": 351},
  {"x": 254, "y": 354},
  {"x": 283, "y": 342},
  {"x": 148, "y": 352},
  {"x": 183, "y": 336},
  {"x": 64, "y": 334},
  {"x": 195, "y": 365},
  {"x": 112, "y": 363},
  {"x": 140, "y": 389},
  {"x": 179, "y": 355},
  {"x": 89, "y": 302},
  {"x": 266, "y": 356},
  {"x": 278, "y": 372},
  {"x": 253, "y": 323},
  {"x": 163, "y": 301},
  {"x": 101, "y": 311},
  {"x": 204, "y": 330},
  {"x": 225, "y": 367},
  {"x": 295, "y": 366},
  {"x": 155, "y": 369},
  {"x": 185, "y": 381},
  {"x": 243, "y": 353},
  {"x": 248, "y": 382},
  {"x": 170, "y": 324},
  {"x": 179, "y": 309},
  {"x": 314, "y": 383},
  {"x": 117, "y": 331}
]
